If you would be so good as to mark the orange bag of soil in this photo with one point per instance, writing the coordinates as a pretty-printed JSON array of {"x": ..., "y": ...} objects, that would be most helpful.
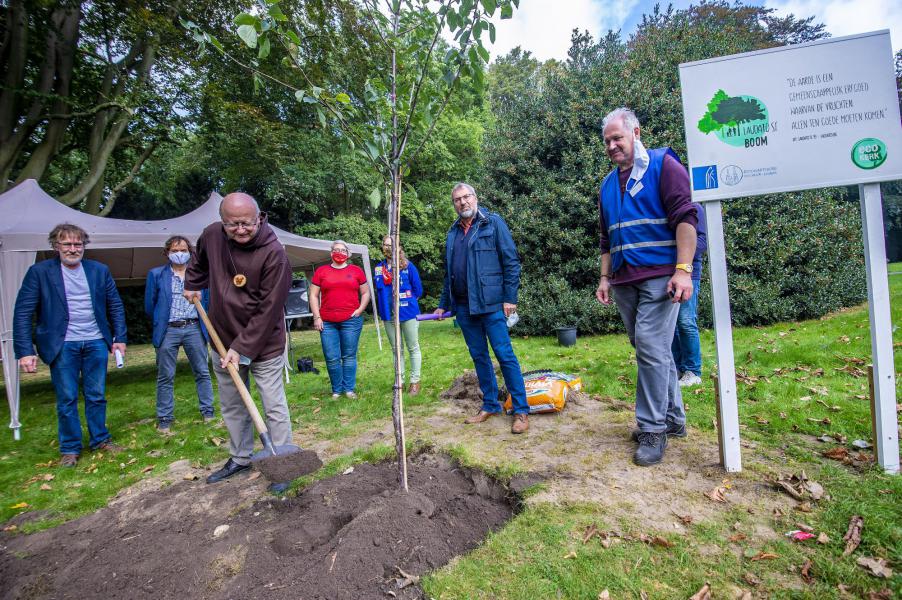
[{"x": 546, "y": 391}]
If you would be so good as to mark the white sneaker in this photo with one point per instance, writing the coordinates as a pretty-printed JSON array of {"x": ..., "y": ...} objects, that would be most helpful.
[{"x": 689, "y": 379}]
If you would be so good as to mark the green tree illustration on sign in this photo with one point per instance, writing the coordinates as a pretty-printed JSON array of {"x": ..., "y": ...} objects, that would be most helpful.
[{"x": 724, "y": 110}]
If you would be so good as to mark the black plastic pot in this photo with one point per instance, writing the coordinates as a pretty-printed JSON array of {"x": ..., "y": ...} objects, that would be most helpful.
[{"x": 566, "y": 336}]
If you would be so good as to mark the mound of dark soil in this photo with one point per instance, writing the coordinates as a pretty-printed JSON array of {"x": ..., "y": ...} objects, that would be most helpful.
[
  {"x": 464, "y": 389},
  {"x": 288, "y": 467},
  {"x": 350, "y": 536}
]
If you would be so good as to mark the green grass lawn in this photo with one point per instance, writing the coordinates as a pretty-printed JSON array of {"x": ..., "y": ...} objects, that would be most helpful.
[{"x": 793, "y": 378}]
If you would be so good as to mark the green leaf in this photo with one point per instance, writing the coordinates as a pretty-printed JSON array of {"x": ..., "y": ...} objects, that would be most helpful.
[
  {"x": 258, "y": 83},
  {"x": 492, "y": 32},
  {"x": 310, "y": 100},
  {"x": 248, "y": 35},
  {"x": 375, "y": 198},
  {"x": 276, "y": 13},
  {"x": 264, "y": 48},
  {"x": 316, "y": 91},
  {"x": 343, "y": 98},
  {"x": 245, "y": 19},
  {"x": 483, "y": 53},
  {"x": 489, "y": 6},
  {"x": 299, "y": 95},
  {"x": 322, "y": 117},
  {"x": 212, "y": 39},
  {"x": 372, "y": 149},
  {"x": 291, "y": 35},
  {"x": 507, "y": 11},
  {"x": 187, "y": 24}
]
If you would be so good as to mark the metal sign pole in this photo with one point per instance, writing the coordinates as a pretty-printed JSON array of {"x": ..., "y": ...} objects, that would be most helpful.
[
  {"x": 728, "y": 427},
  {"x": 887, "y": 425}
]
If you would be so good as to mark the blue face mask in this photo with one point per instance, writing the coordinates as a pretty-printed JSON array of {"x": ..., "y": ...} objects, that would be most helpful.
[{"x": 180, "y": 258}]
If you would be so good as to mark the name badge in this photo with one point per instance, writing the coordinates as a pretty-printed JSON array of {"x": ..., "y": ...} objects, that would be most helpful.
[{"x": 636, "y": 189}]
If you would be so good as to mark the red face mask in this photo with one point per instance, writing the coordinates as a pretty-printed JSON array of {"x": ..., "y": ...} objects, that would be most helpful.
[{"x": 339, "y": 257}]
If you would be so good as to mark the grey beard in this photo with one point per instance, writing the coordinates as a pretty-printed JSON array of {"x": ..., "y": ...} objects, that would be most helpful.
[{"x": 468, "y": 214}]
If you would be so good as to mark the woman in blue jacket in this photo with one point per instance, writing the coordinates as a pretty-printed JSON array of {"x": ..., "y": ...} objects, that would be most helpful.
[
  {"x": 175, "y": 324},
  {"x": 411, "y": 290}
]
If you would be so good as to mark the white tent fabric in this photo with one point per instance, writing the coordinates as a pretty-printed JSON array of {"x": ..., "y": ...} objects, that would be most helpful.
[{"x": 129, "y": 248}]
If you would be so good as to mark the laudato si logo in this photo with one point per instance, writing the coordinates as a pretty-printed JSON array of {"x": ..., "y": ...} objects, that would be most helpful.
[
  {"x": 739, "y": 121},
  {"x": 869, "y": 153}
]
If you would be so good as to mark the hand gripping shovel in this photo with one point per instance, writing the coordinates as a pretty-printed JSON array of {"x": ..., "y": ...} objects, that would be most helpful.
[{"x": 268, "y": 449}]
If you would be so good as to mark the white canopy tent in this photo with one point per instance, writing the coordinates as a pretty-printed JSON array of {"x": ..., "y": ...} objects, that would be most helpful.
[{"x": 129, "y": 248}]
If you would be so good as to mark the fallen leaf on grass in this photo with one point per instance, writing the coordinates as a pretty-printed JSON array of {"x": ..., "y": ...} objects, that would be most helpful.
[
  {"x": 837, "y": 453},
  {"x": 764, "y": 556},
  {"x": 686, "y": 519},
  {"x": 253, "y": 475},
  {"x": 717, "y": 494},
  {"x": 155, "y": 453},
  {"x": 604, "y": 595},
  {"x": 46, "y": 487},
  {"x": 861, "y": 444},
  {"x": 853, "y": 534},
  {"x": 819, "y": 389},
  {"x": 824, "y": 421},
  {"x": 823, "y": 538},
  {"x": 590, "y": 532},
  {"x": 19, "y": 505},
  {"x": 876, "y": 566},
  {"x": 737, "y": 537},
  {"x": 746, "y": 595},
  {"x": 190, "y": 476},
  {"x": 148, "y": 469},
  {"x": 751, "y": 579},
  {"x": 761, "y": 420},
  {"x": 884, "y": 594},
  {"x": 91, "y": 468},
  {"x": 10, "y": 528},
  {"x": 317, "y": 409},
  {"x": 806, "y": 572},
  {"x": 703, "y": 594},
  {"x": 48, "y": 477},
  {"x": 570, "y": 555},
  {"x": 217, "y": 441}
]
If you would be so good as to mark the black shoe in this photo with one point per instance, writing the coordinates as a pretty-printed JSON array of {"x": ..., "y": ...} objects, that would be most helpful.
[
  {"x": 673, "y": 430},
  {"x": 651, "y": 448},
  {"x": 227, "y": 470},
  {"x": 278, "y": 488}
]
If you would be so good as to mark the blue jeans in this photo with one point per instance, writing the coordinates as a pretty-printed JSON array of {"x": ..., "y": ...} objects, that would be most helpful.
[
  {"x": 339, "y": 340},
  {"x": 191, "y": 338},
  {"x": 686, "y": 348},
  {"x": 479, "y": 331},
  {"x": 80, "y": 363}
]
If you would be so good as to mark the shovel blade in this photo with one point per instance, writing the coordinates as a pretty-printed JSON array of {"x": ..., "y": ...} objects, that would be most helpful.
[{"x": 280, "y": 451}]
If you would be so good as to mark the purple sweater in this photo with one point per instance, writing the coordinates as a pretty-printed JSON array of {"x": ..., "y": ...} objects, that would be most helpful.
[{"x": 676, "y": 196}]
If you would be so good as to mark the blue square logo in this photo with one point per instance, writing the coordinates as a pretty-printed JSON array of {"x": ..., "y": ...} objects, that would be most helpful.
[{"x": 704, "y": 178}]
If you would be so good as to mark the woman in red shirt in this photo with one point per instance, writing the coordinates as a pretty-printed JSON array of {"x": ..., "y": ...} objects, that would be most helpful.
[{"x": 338, "y": 296}]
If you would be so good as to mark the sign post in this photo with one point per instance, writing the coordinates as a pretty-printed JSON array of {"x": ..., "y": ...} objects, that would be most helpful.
[{"x": 813, "y": 115}]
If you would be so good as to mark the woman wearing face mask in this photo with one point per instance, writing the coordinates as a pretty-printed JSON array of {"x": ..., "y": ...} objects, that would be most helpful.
[
  {"x": 175, "y": 324},
  {"x": 410, "y": 290},
  {"x": 338, "y": 296}
]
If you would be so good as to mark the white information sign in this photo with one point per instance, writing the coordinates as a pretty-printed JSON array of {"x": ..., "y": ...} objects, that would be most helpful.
[{"x": 798, "y": 117}]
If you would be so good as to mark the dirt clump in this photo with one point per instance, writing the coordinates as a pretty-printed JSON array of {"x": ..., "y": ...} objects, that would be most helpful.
[
  {"x": 350, "y": 536},
  {"x": 464, "y": 389},
  {"x": 288, "y": 467}
]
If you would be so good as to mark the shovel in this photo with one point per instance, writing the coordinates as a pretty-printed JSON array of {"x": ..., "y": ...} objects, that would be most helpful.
[{"x": 268, "y": 449}]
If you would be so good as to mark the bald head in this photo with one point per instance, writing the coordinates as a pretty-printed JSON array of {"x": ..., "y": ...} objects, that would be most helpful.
[{"x": 240, "y": 216}]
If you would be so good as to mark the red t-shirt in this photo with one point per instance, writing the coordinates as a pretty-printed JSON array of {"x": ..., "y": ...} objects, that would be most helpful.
[{"x": 339, "y": 291}]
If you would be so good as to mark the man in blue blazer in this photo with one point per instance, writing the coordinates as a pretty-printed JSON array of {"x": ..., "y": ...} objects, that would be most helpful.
[
  {"x": 175, "y": 324},
  {"x": 80, "y": 320}
]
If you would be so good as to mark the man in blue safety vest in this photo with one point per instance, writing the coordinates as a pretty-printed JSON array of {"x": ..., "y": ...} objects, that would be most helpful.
[{"x": 648, "y": 236}]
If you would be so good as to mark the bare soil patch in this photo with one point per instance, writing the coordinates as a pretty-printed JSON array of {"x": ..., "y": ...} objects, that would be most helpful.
[
  {"x": 288, "y": 467},
  {"x": 350, "y": 536}
]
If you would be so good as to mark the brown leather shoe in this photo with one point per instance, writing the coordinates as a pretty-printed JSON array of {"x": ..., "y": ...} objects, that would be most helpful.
[
  {"x": 68, "y": 460},
  {"x": 520, "y": 424},
  {"x": 480, "y": 417},
  {"x": 414, "y": 388}
]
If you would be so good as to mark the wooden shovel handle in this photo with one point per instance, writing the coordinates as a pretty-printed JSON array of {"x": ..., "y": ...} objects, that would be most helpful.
[{"x": 236, "y": 377}]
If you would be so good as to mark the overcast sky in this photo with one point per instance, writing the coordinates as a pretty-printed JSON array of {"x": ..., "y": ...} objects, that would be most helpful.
[{"x": 544, "y": 26}]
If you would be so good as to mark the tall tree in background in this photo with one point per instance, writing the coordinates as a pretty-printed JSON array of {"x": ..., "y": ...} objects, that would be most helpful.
[
  {"x": 89, "y": 91},
  {"x": 389, "y": 119}
]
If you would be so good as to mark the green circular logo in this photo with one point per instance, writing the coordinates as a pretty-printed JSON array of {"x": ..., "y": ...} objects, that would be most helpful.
[{"x": 869, "y": 153}]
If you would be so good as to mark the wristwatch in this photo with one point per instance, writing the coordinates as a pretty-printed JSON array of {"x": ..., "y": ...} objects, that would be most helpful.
[{"x": 685, "y": 267}]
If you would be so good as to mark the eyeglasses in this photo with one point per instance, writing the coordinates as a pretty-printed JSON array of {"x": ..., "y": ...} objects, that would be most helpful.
[
  {"x": 74, "y": 245},
  {"x": 464, "y": 197},
  {"x": 240, "y": 224},
  {"x": 341, "y": 250}
]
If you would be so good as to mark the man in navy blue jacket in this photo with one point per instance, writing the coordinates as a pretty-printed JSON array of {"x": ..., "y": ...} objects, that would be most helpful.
[
  {"x": 176, "y": 324},
  {"x": 482, "y": 278},
  {"x": 80, "y": 320}
]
